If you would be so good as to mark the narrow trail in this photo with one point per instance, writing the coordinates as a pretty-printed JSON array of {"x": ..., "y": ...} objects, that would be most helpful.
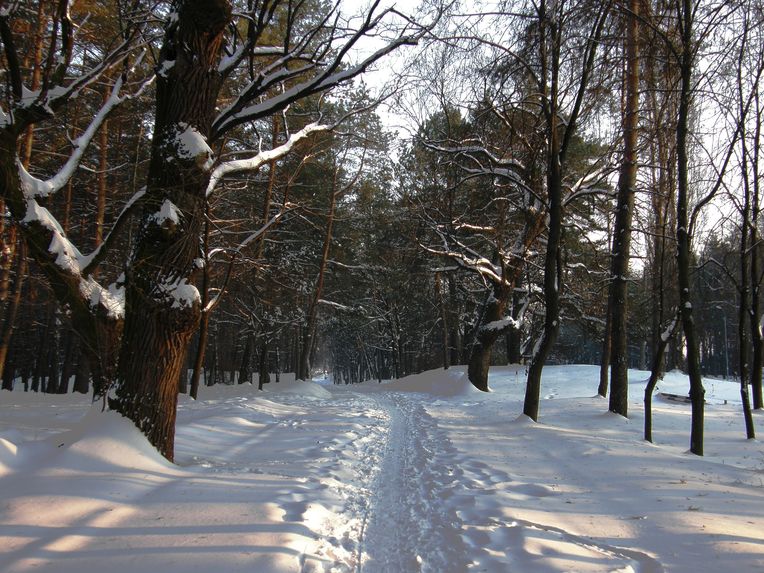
[{"x": 410, "y": 527}]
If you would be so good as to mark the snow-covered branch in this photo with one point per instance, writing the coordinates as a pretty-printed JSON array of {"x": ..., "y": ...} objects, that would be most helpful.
[
  {"x": 256, "y": 162},
  {"x": 35, "y": 188}
]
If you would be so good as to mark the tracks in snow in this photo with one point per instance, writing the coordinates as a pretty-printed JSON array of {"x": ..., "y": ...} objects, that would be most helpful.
[
  {"x": 410, "y": 528},
  {"x": 433, "y": 509}
]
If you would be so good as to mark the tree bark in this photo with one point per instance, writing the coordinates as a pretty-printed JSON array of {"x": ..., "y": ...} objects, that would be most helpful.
[
  {"x": 656, "y": 372},
  {"x": 697, "y": 392},
  {"x": 618, "y": 300},
  {"x": 605, "y": 358},
  {"x": 487, "y": 333},
  {"x": 9, "y": 322},
  {"x": 162, "y": 307}
]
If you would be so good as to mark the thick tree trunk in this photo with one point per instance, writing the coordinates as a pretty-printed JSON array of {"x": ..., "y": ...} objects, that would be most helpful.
[
  {"x": 489, "y": 330},
  {"x": 162, "y": 306},
  {"x": 619, "y": 353}
]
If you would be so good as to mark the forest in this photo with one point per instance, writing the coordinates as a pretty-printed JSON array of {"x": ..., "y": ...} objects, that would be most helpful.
[{"x": 216, "y": 192}]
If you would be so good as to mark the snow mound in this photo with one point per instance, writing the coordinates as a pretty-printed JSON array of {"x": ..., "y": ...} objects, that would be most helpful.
[
  {"x": 107, "y": 441},
  {"x": 451, "y": 382}
]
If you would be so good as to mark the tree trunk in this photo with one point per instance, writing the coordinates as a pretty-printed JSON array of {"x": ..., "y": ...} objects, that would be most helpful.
[
  {"x": 697, "y": 392},
  {"x": 619, "y": 352},
  {"x": 310, "y": 326},
  {"x": 745, "y": 302},
  {"x": 8, "y": 323},
  {"x": 443, "y": 320},
  {"x": 605, "y": 358},
  {"x": 264, "y": 376},
  {"x": 204, "y": 320},
  {"x": 246, "y": 360},
  {"x": 488, "y": 331},
  {"x": 655, "y": 374},
  {"x": 757, "y": 362},
  {"x": 552, "y": 285},
  {"x": 162, "y": 307}
]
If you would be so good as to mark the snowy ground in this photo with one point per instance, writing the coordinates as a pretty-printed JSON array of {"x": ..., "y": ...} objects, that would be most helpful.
[{"x": 423, "y": 474}]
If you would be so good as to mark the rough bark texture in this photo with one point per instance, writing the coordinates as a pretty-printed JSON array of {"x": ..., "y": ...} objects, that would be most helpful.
[
  {"x": 619, "y": 352},
  {"x": 159, "y": 322},
  {"x": 486, "y": 336}
]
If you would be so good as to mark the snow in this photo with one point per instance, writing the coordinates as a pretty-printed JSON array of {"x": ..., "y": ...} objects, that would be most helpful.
[
  {"x": 165, "y": 68},
  {"x": 168, "y": 213},
  {"x": 420, "y": 474},
  {"x": 68, "y": 256},
  {"x": 193, "y": 145},
  {"x": 182, "y": 293},
  {"x": 112, "y": 298}
]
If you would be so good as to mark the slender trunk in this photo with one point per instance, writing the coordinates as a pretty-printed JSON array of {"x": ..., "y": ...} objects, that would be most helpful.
[
  {"x": 697, "y": 392},
  {"x": 103, "y": 165},
  {"x": 744, "y": 310},
  {"x": 309, "y": 333},
  {"x": 619, "y": 353},
  {"x": 656, "y": 371},
  {"x": 263, "y": 374},
  {"x": 204, "y": 321},
  {"x": 246, "y": 359},
  {"x": 757, "y": 362},
  {"x": 68, "y": 363},
  {"x": 605, "y": 359},
  {"x": 552, "y": 285},
  {"x": 8, "y": 324},
  {"x": 443, "y": 320},
  {"x": 550, "y": 50}
]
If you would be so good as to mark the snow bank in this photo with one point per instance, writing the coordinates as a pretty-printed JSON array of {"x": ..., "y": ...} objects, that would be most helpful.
[
  {"x": 106, "y": 441},
  {"x": 445, "y": 383}
]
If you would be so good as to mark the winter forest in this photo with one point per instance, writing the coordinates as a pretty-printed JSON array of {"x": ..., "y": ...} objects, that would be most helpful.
[{"x": 437, "y": 285}]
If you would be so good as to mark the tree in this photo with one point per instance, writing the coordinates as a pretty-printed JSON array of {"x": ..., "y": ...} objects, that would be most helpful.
[
  {"x": 209, "y": 57},
  {"x": 617, "y": 306},
  {"x": 557, "y": 41}
]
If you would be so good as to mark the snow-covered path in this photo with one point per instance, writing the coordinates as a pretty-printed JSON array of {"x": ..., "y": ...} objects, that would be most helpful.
[
  {"x": 411, "y": 527},
  {"x": 422, "y": 475}
]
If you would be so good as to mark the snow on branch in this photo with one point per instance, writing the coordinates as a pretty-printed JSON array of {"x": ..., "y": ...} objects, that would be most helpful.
[
  {"x": 256, "y": 162},
  {"x": 70, "y": 263},
  {"x": 335, "y": 305},
  {"x": 35, "y": 188}
]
